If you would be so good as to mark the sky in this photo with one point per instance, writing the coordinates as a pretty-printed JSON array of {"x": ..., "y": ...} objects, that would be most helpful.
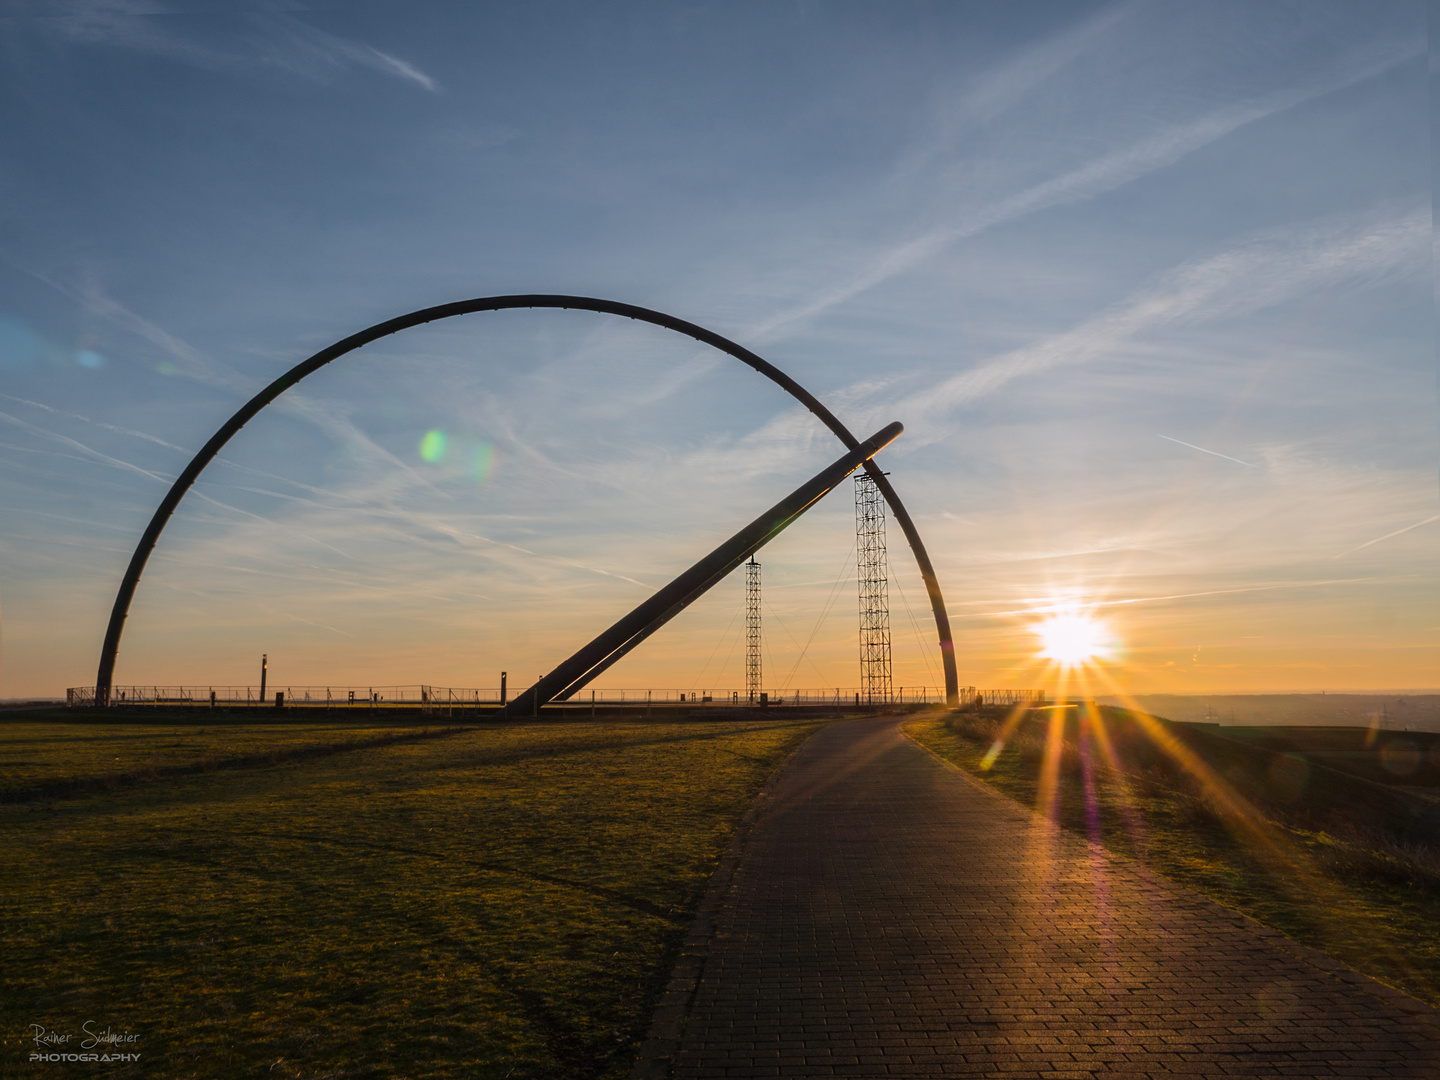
[{"x": 1150, "y": 286}]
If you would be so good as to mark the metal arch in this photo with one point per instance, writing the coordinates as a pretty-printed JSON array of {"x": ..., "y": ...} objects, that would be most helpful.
[{"x": 191, "y": 473}]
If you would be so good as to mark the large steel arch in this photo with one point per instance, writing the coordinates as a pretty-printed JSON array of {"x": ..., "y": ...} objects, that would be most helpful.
[{"x": 105, "y": 676}]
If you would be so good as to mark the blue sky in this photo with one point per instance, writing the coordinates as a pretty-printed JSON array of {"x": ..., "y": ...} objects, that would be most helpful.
[{"x": 1150, "y": 286}]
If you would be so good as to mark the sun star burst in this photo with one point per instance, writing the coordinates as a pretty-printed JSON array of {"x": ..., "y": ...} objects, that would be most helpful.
[{"x": 1073, "y": 639}]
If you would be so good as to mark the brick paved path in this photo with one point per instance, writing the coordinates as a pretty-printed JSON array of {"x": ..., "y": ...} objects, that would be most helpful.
[{"x": 890, "y": 917}]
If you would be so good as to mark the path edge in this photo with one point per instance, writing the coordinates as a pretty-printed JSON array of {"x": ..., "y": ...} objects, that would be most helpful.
[
  {"x": 657, "y": 1054},
  {"x": 1336, "y": 969}
]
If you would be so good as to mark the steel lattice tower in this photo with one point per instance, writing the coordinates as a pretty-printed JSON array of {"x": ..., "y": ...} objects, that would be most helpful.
[
  {"x": 872, "y": 571},
  {"x": 752, "y": 630}
]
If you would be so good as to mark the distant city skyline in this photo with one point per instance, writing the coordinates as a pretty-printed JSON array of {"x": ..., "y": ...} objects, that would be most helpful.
[{"x": 1150, "y": 286}]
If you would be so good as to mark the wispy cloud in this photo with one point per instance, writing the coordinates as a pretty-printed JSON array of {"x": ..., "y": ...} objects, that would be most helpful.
[
  {"x": 392, "y": 65},
  {"x": 310, "y": 622},
  {"x": 91, "y": 454},
  {"x": 87, "y": 453},
  {"x": 328, "y": 496},
  {"x": 189, "y": 362},
  {"x": 1260, "y": 272},
  {"x": 98, "y": 423},
  {"x": 1164, "y": 146},
  {"x": 184, "y": 357},
  {"x": 995, "y": 90},
  {"x": 446, "y": 529},
  {"x": 251, "y": 36},
  {"x": 1049, "y": 607}
]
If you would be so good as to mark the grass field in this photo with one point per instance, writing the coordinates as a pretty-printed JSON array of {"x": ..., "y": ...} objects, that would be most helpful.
[
  {"x": 39, "y": 759},
  {"x": 502, "y": 902},
  {"x": 1330, "y": 860}
]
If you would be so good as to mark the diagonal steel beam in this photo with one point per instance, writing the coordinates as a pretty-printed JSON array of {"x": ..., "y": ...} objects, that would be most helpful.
[{"x": 610, "y": 646}]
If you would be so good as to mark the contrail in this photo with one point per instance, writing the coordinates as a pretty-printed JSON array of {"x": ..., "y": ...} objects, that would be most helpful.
[
  {"x": 1192, "y": 446},
  {"x": 1387, "y": 536},
  {"x": 1044, "y": 608}
]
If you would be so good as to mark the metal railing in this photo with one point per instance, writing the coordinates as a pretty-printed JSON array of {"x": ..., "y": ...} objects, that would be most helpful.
[
  {"x": 1007, "y": 697},
  {"x": 837, "y": 696},
  {"x": 241, "y": 696},
  {"x": 449, "y": 698}
]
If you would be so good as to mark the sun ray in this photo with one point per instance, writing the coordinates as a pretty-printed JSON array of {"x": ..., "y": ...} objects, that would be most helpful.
[
  {"x": 1007, "y": 729},
  {"x": 1268, "y": 842},
  {"x": 1078, "y": 655}
]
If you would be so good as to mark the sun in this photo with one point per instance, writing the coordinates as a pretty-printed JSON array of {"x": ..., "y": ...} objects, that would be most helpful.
[{"x": 1072, "y": 639}]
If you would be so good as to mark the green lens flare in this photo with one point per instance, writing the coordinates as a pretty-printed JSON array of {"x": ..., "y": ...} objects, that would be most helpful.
[{"x": 432, "y": 446}]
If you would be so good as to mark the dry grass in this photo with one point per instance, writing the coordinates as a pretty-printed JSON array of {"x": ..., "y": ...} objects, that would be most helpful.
[
  {"x": 1331, "y": 863},
  {"x": 502, "y": 903}
]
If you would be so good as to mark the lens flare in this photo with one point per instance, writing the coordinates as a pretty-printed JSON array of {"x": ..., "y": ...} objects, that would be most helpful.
[
  {"x": 1072, "y": 639},
  {"x": 432, "y": 446},
  {"x": 484, "y": 462}
]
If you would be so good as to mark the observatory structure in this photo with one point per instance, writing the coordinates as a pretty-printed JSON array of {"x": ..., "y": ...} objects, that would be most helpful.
[{"x": 565, "y": 680}]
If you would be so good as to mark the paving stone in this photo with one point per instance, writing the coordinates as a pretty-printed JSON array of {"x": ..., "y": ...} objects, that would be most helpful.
[{"x": 889, "y": 916}]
